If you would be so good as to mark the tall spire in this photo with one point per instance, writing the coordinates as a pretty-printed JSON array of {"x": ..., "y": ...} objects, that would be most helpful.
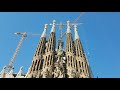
[
  {"x": 68, "y": 27},
  {"x": 76, "y": 32},
  {"x": 53, "y": 26},
  {"x": 2, "y": 72},
  {"x": 51, "y": 63},
  {"x": 19, "y": 75},
  {"x": 44, "y": 32}
]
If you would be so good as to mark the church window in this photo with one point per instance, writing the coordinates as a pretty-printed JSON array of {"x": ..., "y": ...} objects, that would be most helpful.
[
  {"x": 41, "y": 64},
  {"x": 71, "y": 61},
  {"x": 68, "y": 61},
  {"x": 82, "y": 65},
  {"x": 79, "y": 63},
  {"x": 38, "y": 65},
  {"x": 35, "y": 65}
]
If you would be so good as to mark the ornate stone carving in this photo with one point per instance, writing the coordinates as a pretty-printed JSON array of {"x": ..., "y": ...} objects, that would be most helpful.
[
  {"x": 58, "y": 72},
  {"x": 45, "y": 72},
  {"x": 10, "y": 74},
  {"x": 72, "y": 73},
  {"x": 59, "y": 69},
  {"x": 39, "y": 75}
]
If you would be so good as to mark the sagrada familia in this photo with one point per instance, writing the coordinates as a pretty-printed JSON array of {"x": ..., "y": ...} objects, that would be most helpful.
[{"x": 51, "y": 62}]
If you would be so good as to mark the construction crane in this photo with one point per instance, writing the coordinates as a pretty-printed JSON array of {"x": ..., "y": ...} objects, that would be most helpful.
[
  {"x": 60, "y": 28},
  {"x": 75, "y": 23},
  {"x": 10, "y": 65},
  {"x": 78, "y": 18},
  {"x": 72, "y": 24}
]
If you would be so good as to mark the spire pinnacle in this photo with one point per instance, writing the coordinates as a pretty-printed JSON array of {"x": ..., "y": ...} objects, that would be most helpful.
[
  {"x": 76, "y": 32},
  {"x": 44, "y": 32},
  {"x": 68, "y": 27},
  {"x": 2, "y": 72},
  {"x": 53, "y": 26},
  {"x": 20, "y": 72}
]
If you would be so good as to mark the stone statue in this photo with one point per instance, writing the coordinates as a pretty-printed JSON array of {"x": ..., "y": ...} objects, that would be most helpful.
[
  {"x": 72, "y": 73},
  {"x": 10, "y": 74},
  {"x": 45, "y": 72},
  {"x": 58, "y": 71},
  {"x": 39, "y": 75}
]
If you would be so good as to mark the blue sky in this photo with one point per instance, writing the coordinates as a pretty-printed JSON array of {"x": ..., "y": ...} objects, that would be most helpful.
[{"x": 99, "y": 35}]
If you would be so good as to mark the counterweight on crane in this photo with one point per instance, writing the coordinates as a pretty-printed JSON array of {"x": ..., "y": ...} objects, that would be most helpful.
[{"x": 10, "y": 65}]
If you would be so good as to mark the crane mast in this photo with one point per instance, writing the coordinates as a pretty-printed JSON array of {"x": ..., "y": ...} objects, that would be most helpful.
[
  {"x": 10, "y": 65},
  {"x": 16, "y": 51}
]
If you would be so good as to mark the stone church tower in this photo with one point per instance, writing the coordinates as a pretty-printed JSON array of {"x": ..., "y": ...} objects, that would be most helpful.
[
  {"x": 52, "y": 62},
  {"x": 83, "y": 68},
  {"x": 37, "y": 62},
  {"x": 70, "y": 53}
]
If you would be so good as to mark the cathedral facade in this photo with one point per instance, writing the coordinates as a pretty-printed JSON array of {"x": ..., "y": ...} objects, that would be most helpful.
[{"x": 51, "y": 62}]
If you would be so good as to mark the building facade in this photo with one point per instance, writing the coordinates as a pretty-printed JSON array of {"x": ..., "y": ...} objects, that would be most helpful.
[{"x": 51, "y": 62}]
